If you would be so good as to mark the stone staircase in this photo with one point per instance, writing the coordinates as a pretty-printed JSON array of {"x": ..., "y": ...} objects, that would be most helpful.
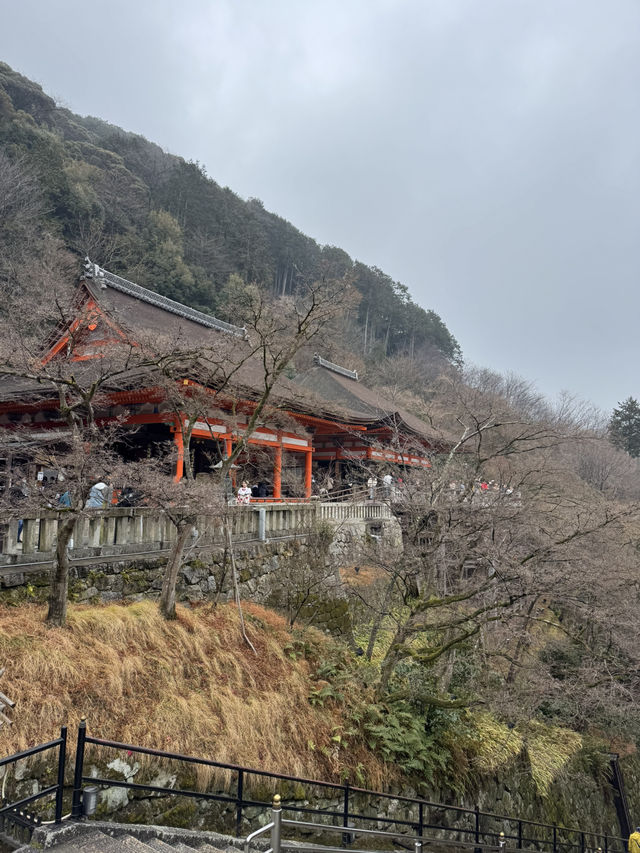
[
  {"x": 101, "y": 837},
  {"x": 98, "y": 842}
]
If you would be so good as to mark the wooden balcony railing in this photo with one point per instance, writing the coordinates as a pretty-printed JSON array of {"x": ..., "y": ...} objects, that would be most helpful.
[{"x": 122, "y": 531}]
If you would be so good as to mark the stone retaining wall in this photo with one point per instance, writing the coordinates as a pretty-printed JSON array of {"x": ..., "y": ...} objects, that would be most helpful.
[
  {"x": 297, "y": 576},
  {"x": 586, "y": 804}
]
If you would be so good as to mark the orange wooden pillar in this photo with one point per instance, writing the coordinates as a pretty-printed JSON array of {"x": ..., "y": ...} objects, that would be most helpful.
[
  {"x": 177, "y": 438},
  {"x": 277, "y": 474},
  {"x": 228, "y": 446},
  {"x": 308, "y": 459}
]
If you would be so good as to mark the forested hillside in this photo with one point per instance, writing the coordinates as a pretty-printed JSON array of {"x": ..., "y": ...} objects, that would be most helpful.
[{"x": 161, "y": 221}]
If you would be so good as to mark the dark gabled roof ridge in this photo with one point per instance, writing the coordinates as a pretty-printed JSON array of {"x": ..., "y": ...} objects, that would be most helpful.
[
  {"x": 152, "y": 298},
  {"x": 337, "y": 368}
]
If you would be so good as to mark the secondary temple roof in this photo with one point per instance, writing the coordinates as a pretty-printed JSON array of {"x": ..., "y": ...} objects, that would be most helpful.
[{"x": 340, "y": 390}]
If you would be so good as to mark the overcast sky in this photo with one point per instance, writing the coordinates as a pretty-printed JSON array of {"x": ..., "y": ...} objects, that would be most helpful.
[{"x": 486, "y": 153}]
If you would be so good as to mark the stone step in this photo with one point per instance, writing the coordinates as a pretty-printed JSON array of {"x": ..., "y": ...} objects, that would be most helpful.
[
  {"x": 98, "y": 842},
  {"x": 129, "y": 844},
  {"x": 208, "y": 848},
  {"x": 99, "y": 839},
  {"x": 159, "y": 845}
]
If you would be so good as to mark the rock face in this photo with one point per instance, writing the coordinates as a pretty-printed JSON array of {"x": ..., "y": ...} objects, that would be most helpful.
[{"x": 585, "y": 804}]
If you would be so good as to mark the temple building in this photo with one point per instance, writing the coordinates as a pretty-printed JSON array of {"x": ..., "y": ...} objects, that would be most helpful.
[{"x": 321, "y": 421}]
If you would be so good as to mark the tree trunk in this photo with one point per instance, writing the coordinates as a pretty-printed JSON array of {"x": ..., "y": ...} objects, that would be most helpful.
[
  {"x": 366, "y": 329},
  {"x": 236, "y": 588},
  {"x": 391, "y": 659},
  {"x": 174, "y": 561},
  {"x": 58, "y": 594},
  {"x": 377, "y": 622},
  {"x": 523, "y": 640},
  {"x": 444, "y": 679}
]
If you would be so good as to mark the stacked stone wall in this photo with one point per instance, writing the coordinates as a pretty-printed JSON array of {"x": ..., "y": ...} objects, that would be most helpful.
[
  {"x": 206, "y": 577},
  {"x": 586, "y": 804},
  {"x": 299, "y": 576}
]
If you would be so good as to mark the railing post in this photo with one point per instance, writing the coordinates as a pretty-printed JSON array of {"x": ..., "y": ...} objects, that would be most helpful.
[
  {"x": 520, "y": 837},
  {"x": 48, "y": 528},
  {"x": 582, "y": 842},
  {"x": 276, "y": 817},
  {"x": 30, "y": 535},
  {"x": 421, "y": 819},
  {"x": 606, "y": 844},
  {"x": 477, "y": 827},
  {"x": 239, "y": 803},
  {"x": 76, "y": 804},
  {"x": 345, "y": 815},
  {"x": 62, "y": 758},
  {"x": 555, "y": 838}
]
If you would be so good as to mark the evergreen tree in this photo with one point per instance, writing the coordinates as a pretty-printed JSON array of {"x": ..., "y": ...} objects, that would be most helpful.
[{"x": 624, "y": 426}]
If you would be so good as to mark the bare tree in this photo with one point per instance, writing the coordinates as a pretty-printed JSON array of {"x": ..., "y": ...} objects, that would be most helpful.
[
  {"x": 237, "y": 382},
  {"x": 81, "y": 455},
  {"x": 76, "y": 387},
  {"x": 23, "y": 242},
  {"x": 307, "y": 578},
  {"x": 498, "y": 531}
]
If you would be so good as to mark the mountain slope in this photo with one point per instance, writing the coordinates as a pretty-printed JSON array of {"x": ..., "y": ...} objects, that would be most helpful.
[{"x": 163, "y": 222}]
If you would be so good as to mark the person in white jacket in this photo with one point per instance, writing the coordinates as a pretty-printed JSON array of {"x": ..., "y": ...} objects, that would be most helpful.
[{"x": 244, "y": 493}]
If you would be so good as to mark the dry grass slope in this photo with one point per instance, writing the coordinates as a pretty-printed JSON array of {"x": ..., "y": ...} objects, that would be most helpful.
[{"x": 190, "y": 686}]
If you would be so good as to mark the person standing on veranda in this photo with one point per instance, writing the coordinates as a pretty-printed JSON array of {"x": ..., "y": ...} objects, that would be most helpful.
[
  {"x": 372, "y": 483},
  {"x": 244, "y": 493},
  {"x": 387, "y": 482}
]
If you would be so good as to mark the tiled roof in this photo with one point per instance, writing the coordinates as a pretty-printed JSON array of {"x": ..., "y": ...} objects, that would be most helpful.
[
  {"x": 327, "y": 390},
  {"x": 337, "y": 388},
  {"x": 109, "y": 279}
]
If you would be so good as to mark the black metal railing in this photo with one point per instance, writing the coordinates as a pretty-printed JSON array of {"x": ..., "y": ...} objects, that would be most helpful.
[
  {"x": 463, "y": 824},
  {"x": 620, "y": 796},
  {"x": 15, "y": 818}
]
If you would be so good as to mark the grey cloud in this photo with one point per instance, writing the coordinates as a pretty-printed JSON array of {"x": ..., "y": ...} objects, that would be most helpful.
[{"x": 484, "y": 153}]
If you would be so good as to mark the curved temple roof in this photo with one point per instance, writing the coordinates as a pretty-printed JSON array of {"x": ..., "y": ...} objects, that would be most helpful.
[{"x": 326, "y": 391}]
